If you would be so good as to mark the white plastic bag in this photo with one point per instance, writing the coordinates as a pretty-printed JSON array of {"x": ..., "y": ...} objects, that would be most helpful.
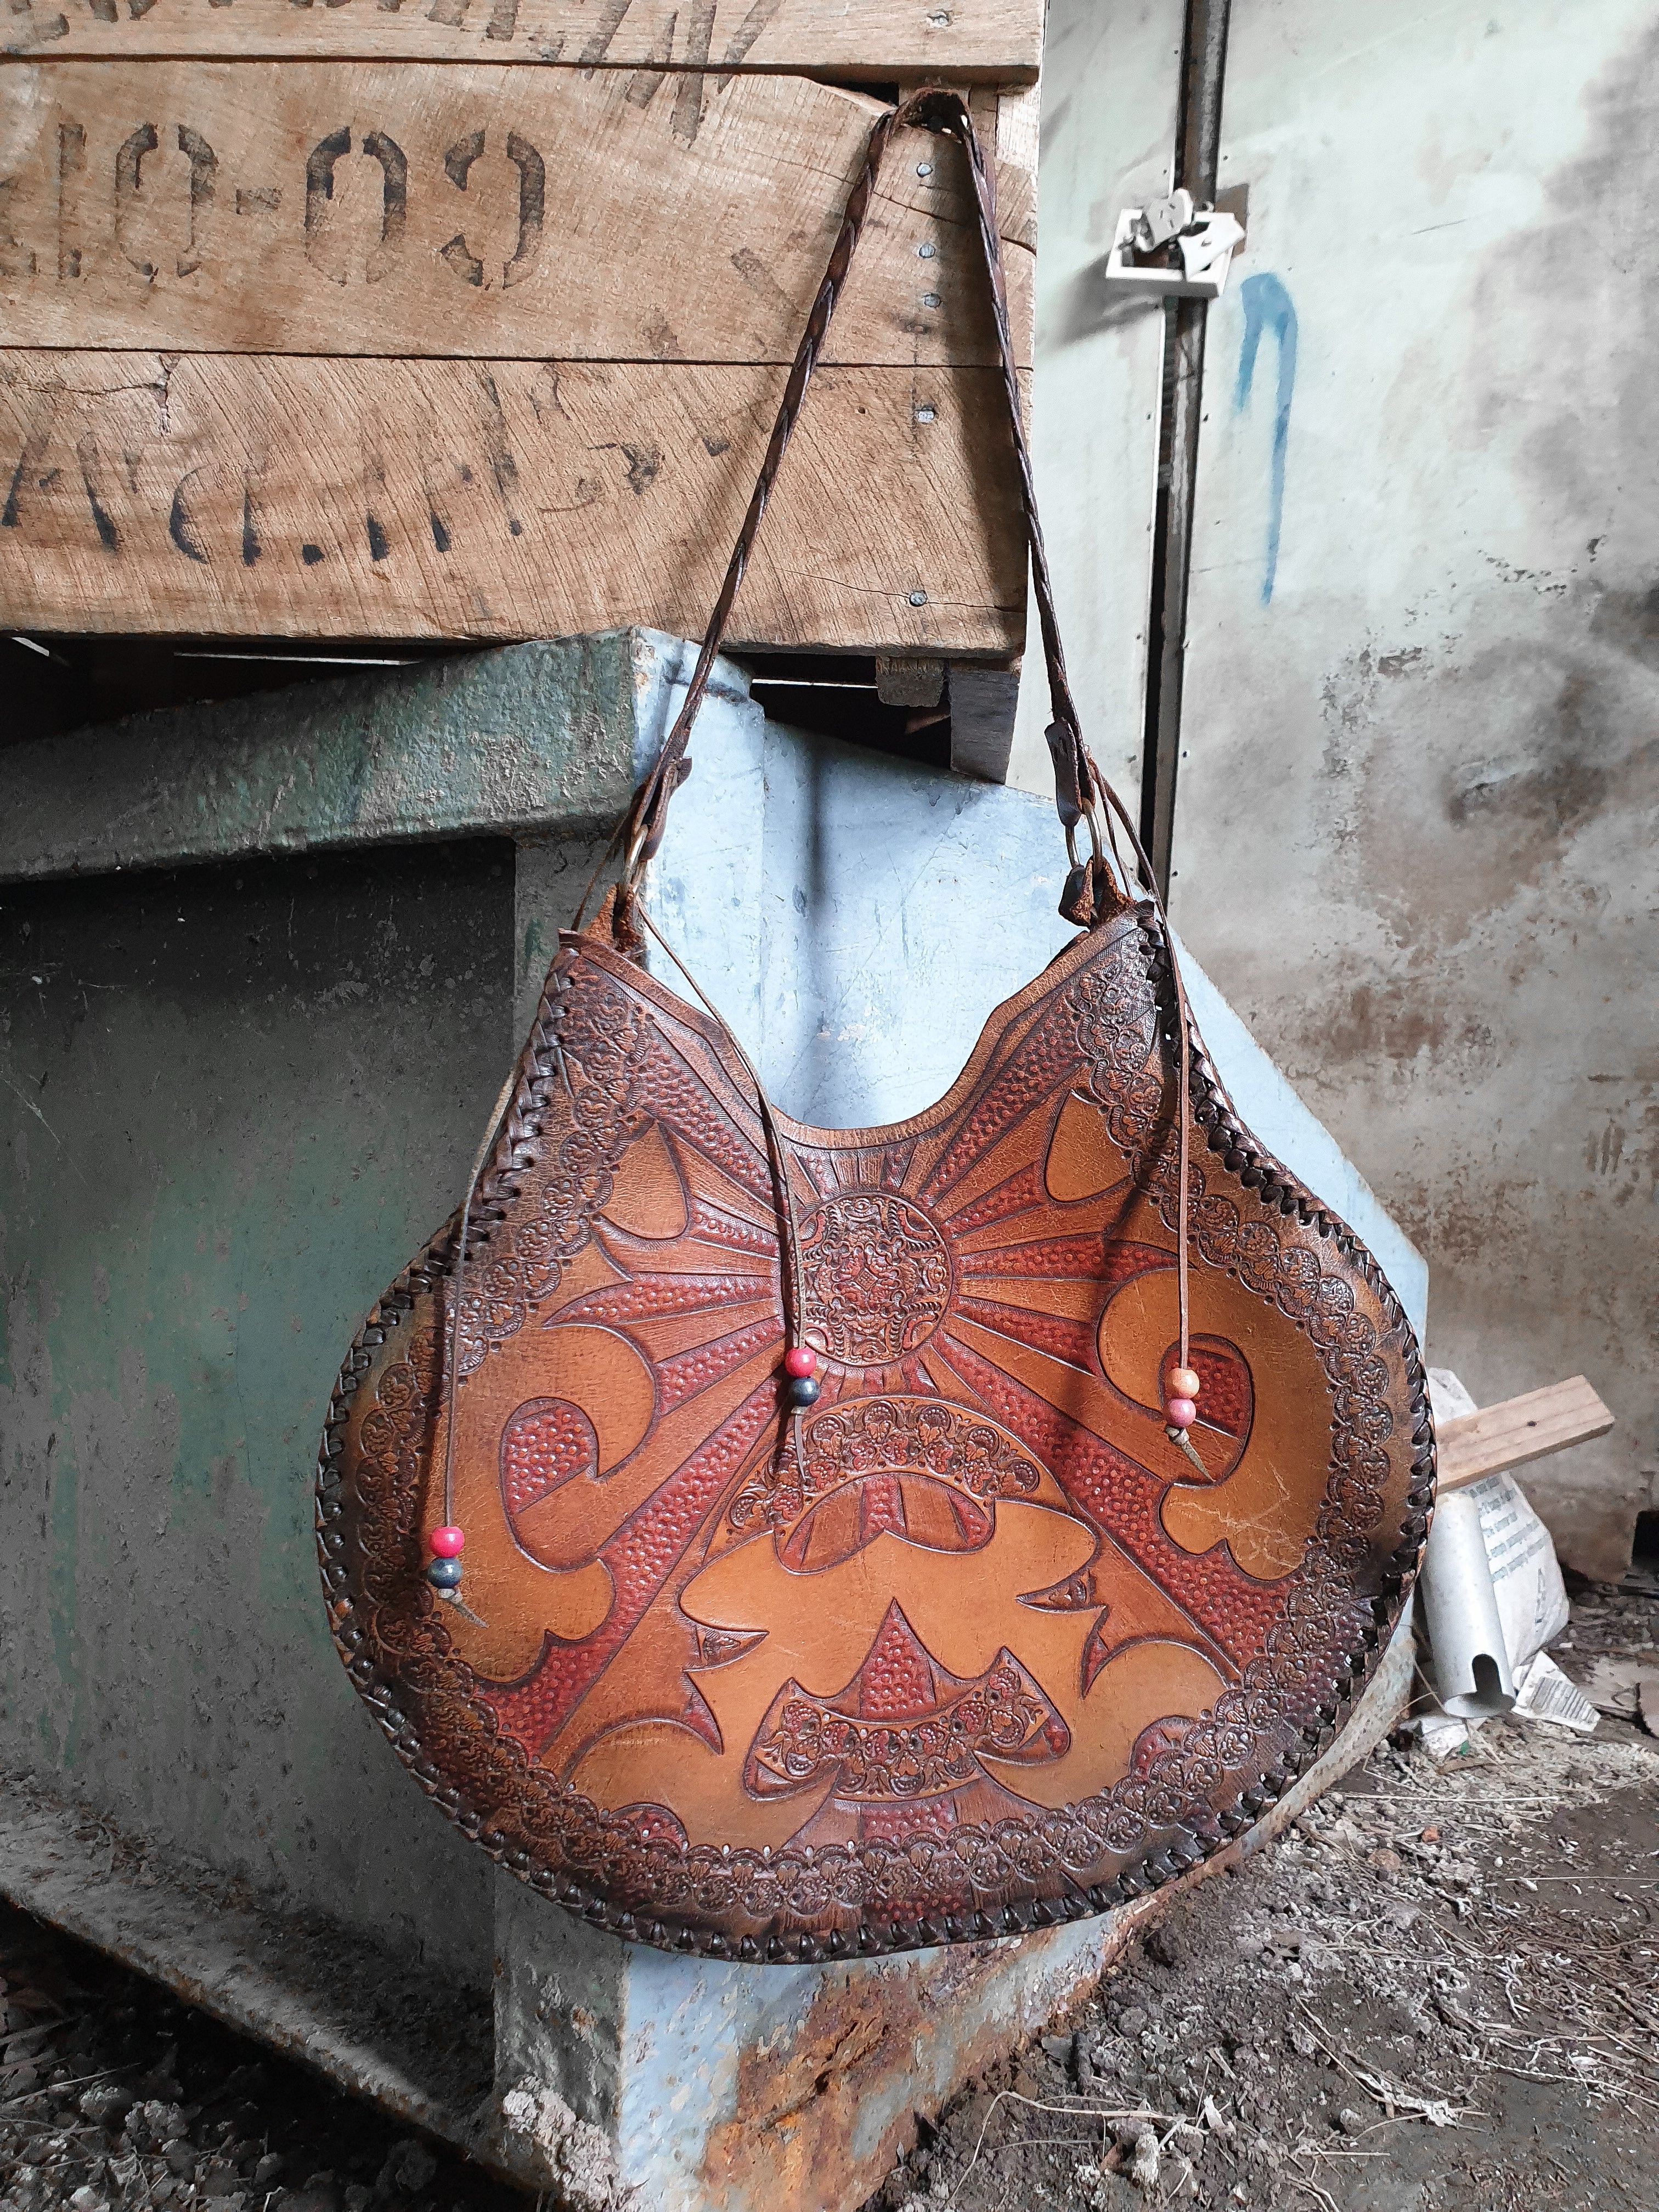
[{"x": 1526, "y": 1575}]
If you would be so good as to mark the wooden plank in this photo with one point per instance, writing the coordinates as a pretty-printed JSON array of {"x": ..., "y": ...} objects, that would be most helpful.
[
  {"x": 991, "y": 41},
  {"x": 326, "y": 498},
  {"x": 1518, "y": 1429},
  {"x": 490, "y": 212}
]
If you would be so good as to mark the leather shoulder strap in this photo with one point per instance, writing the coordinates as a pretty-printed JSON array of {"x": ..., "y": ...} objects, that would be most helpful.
[
  {"x": 1078, "y": 783},
  {"x": 1081, "y": 792}
]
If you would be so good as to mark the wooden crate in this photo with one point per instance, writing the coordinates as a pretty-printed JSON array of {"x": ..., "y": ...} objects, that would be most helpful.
[{"x": 470, "y": 318}]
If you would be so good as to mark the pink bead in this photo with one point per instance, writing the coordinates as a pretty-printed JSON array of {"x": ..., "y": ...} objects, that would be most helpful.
[
  {"x": 799, "y": 1359},
  {"x": 446, "y": 1543},
  {"x": 1179, "y": 1412}
]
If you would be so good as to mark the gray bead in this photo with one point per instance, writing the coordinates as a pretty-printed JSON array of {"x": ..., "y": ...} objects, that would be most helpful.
[
  {"x": 803, "y": 1389},
  {"x": 444, "y": 1574}
]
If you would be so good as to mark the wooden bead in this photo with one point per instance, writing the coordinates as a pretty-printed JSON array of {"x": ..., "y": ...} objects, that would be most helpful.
[
  {"x": 799, "y": 1359},
  {"x": 446, "y": 1543},
  {"x": 1183, "y": 1382},
  {"x": 1179, "y": 1412}
]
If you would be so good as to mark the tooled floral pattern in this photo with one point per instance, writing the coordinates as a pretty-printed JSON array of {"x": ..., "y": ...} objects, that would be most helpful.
[
  {"x": 606, "y": 1041},
  {"x": 1114, "y": 1026},
  {"x": 1298, "y": 1662},
  {"x": 1000, "y": 1716},
  {"x": 886, "y": 1436},
  {"x": 390, "y": 1437},
  {"x": 640, "y": 1860},
  {"x": 875, "y": 1278}
]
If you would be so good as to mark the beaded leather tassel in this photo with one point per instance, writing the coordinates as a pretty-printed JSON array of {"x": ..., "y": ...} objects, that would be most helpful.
[
  {"x": 444, "y": 1569},
  {"x": 1181, "y": 1389},
  {"x": 800, "y": 1365}
]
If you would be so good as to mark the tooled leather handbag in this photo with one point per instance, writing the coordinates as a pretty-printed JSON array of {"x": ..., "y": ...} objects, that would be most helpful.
[{"x": 785, "y": 1542}]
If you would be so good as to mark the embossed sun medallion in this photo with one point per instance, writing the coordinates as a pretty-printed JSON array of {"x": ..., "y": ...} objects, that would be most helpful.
[{"x": 875, "y": 1278}]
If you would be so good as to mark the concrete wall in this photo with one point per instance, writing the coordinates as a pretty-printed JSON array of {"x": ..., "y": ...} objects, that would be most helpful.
[
  {"x": 1416, "y": 816},
  {"x": 1448, "y": 704}
]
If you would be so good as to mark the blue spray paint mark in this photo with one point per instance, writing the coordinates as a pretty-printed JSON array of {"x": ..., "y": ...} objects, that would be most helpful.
[{"x": 1268, "y": 306}]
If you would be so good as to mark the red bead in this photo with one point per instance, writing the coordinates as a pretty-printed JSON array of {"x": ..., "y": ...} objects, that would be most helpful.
[
  {"x": 1179, "y": 1412},
  {"x": 799, "y": 1359},
  {"x": 446, "y": 1543}
]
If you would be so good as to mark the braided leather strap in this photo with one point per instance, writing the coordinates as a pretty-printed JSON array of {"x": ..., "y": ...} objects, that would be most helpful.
[
  {"x": 1081, "y": 792},
  {"x": 1077, "y": 780}
]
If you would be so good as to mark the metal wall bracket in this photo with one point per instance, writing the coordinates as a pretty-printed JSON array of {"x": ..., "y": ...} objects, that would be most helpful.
[{"x": 1195, "y": 248}]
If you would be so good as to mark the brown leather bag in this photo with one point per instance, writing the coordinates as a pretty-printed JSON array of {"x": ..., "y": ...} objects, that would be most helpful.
[{"x": 978, "y": 1637}]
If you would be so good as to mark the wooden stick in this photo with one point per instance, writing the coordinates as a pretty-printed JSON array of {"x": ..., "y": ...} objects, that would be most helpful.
[{"x": 1518, "y": 1429}]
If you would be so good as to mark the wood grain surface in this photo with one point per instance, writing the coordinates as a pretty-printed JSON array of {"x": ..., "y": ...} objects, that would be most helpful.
[
  {"x": 995, "y": 41},
  {"x": 1518, "y": 1429},
  {"x": 328, "y": 498},
  {"x": 330, "y": 207}
]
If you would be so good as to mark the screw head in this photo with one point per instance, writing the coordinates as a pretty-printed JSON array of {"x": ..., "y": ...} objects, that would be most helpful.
[
  {"x": 918, "y": 598},
  {"x": 924, "y": 168},
  {"x": 926, "y": 414},
  {"x": 930, "y": 300}
]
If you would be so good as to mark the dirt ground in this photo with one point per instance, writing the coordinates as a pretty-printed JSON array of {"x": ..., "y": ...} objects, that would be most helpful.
[{"x": 1439, "y": 1992}]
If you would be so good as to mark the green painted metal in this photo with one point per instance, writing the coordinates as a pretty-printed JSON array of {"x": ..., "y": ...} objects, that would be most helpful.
[
  {"x": 239, "y": 1099},
  {"x": 525, "y": 740}
]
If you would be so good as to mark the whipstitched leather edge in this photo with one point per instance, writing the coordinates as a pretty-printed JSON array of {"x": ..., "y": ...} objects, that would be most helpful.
[{"x": 1180, "y": 1848}]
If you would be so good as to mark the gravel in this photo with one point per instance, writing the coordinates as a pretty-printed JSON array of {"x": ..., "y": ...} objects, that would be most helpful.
[{"x": 115, "y": 2098}]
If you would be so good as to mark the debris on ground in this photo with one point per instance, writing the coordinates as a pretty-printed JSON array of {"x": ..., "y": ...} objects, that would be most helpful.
[
  {"x": 116, "y": 2098},
  {"x": 1544, "y": 1693},
  {"x": 1438, "y": 1991}
]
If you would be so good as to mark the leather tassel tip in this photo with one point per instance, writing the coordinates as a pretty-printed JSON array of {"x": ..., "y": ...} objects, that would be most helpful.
[
  {"x": 1077, "y": 903},
  {"x": 1090, "y": 896},
  {"x": 1184, "y": 1442},
  {"x": 454, "y": 1598}
]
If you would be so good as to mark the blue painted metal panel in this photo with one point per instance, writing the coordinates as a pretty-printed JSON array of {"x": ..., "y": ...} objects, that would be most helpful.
[{"x": 857, "y": 918}]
